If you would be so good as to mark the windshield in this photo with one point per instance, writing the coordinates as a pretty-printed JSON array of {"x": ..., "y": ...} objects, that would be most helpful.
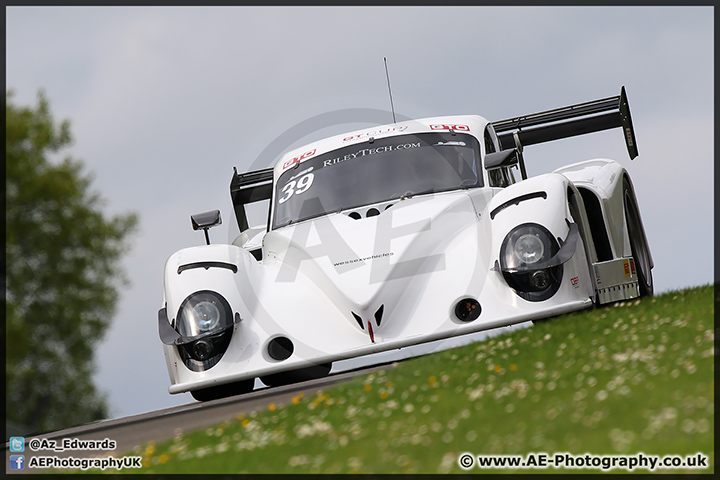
[{"x": 375, "y": 171}]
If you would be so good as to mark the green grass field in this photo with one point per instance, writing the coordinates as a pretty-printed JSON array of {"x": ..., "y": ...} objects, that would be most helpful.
[{"x": 636, "y": 377}]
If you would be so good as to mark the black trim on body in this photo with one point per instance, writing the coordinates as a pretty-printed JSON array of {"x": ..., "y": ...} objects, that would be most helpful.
[
  {"x": 516, "y": 201},
  {"x": 207, "y": 265}
]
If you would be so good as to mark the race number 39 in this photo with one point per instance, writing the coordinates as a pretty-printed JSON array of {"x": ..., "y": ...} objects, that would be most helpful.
[{"x": 296, "y": 187}]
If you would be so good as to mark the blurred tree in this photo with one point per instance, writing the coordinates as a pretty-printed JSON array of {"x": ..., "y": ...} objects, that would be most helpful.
[{"x": 62, "y": 274}]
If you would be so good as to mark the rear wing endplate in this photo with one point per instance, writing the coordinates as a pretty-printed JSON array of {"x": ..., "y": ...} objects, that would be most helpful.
[
  {"x": 249, "y": 187},
  {"x": 569, "y": 121}
]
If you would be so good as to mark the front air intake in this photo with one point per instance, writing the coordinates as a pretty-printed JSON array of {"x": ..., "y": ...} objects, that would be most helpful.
[
  {"x": 467, "y": 310},
  {"x": 379, "y": 315},
  {"x": 280, "y": 348}
]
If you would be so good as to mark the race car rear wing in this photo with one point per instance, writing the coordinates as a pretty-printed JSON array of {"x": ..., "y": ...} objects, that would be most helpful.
[
  {"x": 567, "y": 122},
  {"x": 249, "y": 187}
]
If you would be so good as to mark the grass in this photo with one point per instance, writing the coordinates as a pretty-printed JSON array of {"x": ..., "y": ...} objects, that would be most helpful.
[{"x": 629, "y": 378}]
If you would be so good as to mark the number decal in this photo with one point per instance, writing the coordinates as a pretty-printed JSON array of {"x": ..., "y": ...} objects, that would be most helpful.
[
  {"x": 303, "y": 184},
  {"x": 288, "y": 190}
]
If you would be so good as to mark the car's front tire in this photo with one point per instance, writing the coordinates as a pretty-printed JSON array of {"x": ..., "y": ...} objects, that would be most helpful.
[
  {"x": 222, "y": 391},
  {"x": 638, "y": 245},
  {"x": 295, "y": 376}
]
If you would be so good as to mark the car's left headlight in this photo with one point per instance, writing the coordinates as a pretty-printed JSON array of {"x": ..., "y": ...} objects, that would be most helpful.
[{"x": 526, "y": 263}]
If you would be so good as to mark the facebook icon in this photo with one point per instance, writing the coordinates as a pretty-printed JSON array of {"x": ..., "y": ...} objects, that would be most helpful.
[{"x": 17, "y": 462}]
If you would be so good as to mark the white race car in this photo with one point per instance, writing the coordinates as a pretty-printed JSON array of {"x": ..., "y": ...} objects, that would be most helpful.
[{"x": 399, "y": 235}]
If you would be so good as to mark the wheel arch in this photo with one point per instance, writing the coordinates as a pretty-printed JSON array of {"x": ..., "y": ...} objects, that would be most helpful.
[{"x": 633, "y": 199}]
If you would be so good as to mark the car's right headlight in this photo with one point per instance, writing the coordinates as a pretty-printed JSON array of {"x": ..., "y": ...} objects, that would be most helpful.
[
  {"x": 202, "y": 312},
  {"x": 207, "y": 319}
]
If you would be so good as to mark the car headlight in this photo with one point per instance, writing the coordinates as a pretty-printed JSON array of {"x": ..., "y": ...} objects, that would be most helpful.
[
  {"x": 203, "y": 312},
  {"x": 524, "y": 257},
  {"x": 529, "y": 248},
  {"x": 200, "y": 315},
  {"x": 205, "y": 318}
]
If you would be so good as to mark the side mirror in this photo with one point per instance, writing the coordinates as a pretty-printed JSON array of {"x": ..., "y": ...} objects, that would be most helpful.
[
  {"x": 205, "y": 221},
  {"x": 501, "y": 159}
]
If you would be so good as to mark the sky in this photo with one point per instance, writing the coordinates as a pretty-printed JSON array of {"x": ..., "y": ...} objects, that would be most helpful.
[{"x": 165, "y": 101}]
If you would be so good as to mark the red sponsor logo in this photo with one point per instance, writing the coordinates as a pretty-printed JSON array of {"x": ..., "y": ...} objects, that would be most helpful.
[
  {"x": 298, "y": 159},
  {"x": 376, "y": 133},
  {"x": 575, "y": 281},
  {"x": 459, "y": 128}
]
